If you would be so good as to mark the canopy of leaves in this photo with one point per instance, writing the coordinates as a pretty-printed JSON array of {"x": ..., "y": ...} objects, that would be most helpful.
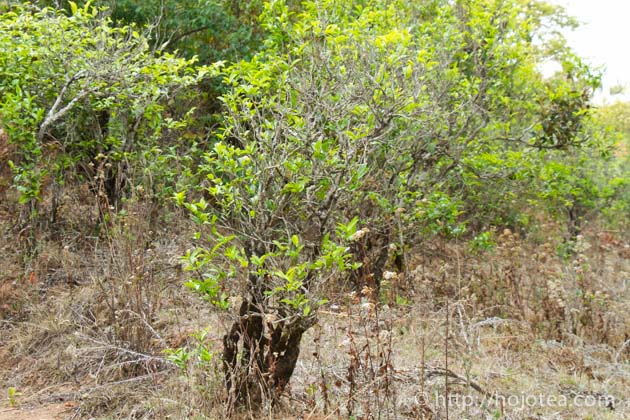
[
  {"x": 211, "y": 30},
  {"x": 73, "y": 87}
]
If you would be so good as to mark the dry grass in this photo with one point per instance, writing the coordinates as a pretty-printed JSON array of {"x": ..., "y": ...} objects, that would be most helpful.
[
  {"x": 507, "y": 350},
  {"x": 87, "y": 315}
]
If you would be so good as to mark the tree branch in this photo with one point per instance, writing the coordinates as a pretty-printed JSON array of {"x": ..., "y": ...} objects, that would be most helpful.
[
  {"x": 187, "y": 33},
  {"x": 54, "y": 114}
]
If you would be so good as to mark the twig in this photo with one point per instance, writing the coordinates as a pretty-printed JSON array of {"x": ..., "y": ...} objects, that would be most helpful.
[
  {"x": 462, "y": 326},
  {"x": 122, "y": 382},
  {"x": 620, "y": 352},
  {"x": 146, "y": 323},
  {"x": 141, "y": 356},
  {"x": 446, "y": 359},
  {"x": 447, "y": 373}
]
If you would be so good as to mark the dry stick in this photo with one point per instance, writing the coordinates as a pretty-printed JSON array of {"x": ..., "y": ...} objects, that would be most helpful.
[
  {"x": 74, "y": 395},
  {"x": 352, "y": 353},
  {"x": 621, "y": 350},
  {"x": 323, "y": 386},
  {"x": 459, "y": 273},
  {"x": 390, "y": 366},
  {"x": 422, "y": 360},
  {"x": 434, "y": 371},
  {"x": 446, "y": 360}
]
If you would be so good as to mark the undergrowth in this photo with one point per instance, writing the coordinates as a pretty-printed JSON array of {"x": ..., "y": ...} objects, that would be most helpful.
[{"x": 102, "y": 320}]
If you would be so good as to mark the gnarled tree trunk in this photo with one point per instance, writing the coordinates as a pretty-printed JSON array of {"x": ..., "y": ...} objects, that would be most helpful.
[{"x": 259, "y": 355}]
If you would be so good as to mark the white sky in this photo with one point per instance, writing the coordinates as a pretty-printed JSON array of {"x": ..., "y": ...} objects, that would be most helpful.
[{"x": 603, "y": 40}]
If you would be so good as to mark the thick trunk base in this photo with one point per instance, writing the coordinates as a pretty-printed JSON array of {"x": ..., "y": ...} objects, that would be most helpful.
[{"x": 259, "y": 357}]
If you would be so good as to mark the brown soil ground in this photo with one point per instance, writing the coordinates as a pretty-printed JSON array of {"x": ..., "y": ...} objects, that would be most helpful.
[{"x": 44, "y": 412}]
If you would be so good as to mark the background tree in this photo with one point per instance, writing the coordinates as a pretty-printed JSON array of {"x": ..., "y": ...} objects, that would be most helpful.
[
  {"x": 611, "y": 123},
  {"x": 211, "y": 30},
  {"x": 81, "y": 97}
]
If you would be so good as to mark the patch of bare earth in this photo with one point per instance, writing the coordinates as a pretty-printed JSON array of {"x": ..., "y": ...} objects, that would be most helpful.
[{"x": 44, "y": 412}]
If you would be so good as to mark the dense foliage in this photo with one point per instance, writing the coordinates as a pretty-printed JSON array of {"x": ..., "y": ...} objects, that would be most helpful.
[{"x": 81, "y": 97}]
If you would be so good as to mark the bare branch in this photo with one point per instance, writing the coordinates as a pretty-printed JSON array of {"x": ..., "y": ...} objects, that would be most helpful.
[{"x": 54, "y": 114}]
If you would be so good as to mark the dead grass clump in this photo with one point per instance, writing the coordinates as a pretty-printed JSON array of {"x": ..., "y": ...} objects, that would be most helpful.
[
  {"x": 96, "y": 310},
  {"x": 38, "y": 347},
  {"x": 539, "y": 320},
  {"x": 560, "y": 289}
]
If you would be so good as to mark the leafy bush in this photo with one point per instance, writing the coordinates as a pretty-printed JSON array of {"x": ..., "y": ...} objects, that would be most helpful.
[
  {"x": 356, "y": 131},
  {"x": 79, "y": 96},
  {"x": 210, "y": 30}
]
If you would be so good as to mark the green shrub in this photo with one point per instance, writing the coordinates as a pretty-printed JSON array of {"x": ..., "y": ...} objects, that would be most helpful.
[{"x": 81, "y": 97}]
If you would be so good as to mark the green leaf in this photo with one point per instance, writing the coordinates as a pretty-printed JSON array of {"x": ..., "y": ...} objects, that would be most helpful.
[
  {"x": 73, "y": 7},
  {"x": 180, "y": 197}
]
